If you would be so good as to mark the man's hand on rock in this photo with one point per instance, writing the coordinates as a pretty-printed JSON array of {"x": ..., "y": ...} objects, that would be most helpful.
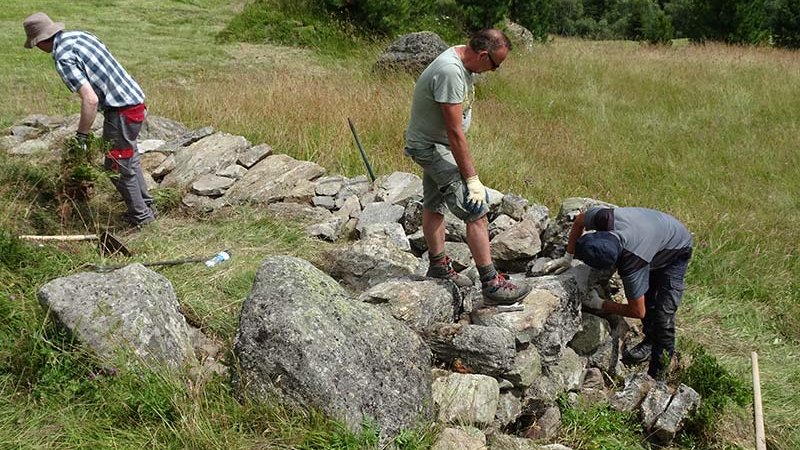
[{"x": 593, "y": 301}]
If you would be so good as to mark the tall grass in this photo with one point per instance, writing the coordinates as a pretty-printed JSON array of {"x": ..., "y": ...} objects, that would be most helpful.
[{"x": 708, "y": 133}]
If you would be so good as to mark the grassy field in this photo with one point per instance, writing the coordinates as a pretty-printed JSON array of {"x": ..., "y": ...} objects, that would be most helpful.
[{"x": 708, "y": 133}]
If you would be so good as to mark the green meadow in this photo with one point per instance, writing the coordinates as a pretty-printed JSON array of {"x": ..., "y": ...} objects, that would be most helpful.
[{"x": 709, "y": 133}]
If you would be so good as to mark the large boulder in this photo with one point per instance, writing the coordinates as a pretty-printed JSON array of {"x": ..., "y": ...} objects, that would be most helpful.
[
  {"x": 130, "y": 309},
  {"x": 412, "y": 52},
  {"x": 371, "y": 261},
  {"x": 206, "y": 156},
  {"x": 273, "y": 179},
  {"x": 301, "y": 339}
]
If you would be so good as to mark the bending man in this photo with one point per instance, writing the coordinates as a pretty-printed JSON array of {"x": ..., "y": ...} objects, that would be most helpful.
[{"x": 651, "y": 251}]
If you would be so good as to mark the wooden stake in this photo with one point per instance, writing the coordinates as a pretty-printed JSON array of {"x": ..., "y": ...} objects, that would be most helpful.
[{"x": 761, "y": 440}]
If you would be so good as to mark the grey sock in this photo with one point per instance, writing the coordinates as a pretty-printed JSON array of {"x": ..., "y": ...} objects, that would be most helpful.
[{"x": 487, "y": 273}]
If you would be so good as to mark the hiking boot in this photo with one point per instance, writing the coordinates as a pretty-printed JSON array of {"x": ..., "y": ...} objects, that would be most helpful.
[
  {"x": 500, "y": 291},
  {"x": 444, "y": 270},
  {"x": 637, "y": 354}
]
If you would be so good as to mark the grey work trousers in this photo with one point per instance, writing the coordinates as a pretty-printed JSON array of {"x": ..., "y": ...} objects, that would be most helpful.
[{"x": 121, "y": 127}]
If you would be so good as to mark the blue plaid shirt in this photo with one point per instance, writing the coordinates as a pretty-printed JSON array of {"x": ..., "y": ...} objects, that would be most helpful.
[{"x": 81, "y": 58}]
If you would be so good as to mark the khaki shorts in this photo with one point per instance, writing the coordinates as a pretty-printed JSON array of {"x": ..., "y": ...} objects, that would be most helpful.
[{"x": 442, "y": 185}]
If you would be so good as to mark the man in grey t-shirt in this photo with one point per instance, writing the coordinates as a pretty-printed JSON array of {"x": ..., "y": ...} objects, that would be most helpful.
[
  {"x": 440, "y": 115},
  {"x": 650, "y": 250}
]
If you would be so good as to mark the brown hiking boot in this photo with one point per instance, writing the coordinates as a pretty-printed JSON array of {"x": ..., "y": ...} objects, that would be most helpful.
[
  {"x": 444, "y": 270},
  {"x": 500, "y": 291}
]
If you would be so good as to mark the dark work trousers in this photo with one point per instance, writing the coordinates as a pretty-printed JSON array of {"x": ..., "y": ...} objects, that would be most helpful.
[
  {"x": 662, "y": 301},
  {"x": 121, "y": 128}
]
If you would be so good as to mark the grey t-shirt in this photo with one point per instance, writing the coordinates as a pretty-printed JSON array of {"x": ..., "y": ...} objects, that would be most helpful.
[
  {"x": 445, "y": 80},
  {"x": 650, "y": 240}
]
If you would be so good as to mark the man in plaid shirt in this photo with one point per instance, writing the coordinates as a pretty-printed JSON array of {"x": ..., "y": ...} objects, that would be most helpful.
[{"x": 88, "y": 68}]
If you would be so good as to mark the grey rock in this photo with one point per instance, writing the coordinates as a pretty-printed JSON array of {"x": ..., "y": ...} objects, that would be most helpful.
[
  {"x": 635, "y": 389},
  {"x": 412, "y": 217},
  {"x": 151, "y": 160},
  {"x": 379, "y": 212},
  {"x": 455, "y": 230},
  {"x": 161, "y": 128},
  {"x": 411, "y": 53},
  {"x": 205, "y": 156},
  {"x": 417, "y": 241},
  {"x": 330, "y": 230},
  {"x": 149, "y": 145},
  {"x": 330, "y": 185},
  {"x": 670, "y": 422},
  {"x": 24, "y": 132},
  {"x": 500, "y": 224},
  {"x": 167, "y": 166},
  {"x": 527, "y": 367},
  {"x": 545, "y": 425},
  {"x": 393, "y": 231},
  {"x": 186, "y": 139},
  {"x": 350, "y": 208},
  {"x": 273, "y": 179},
  {"x": 357, "y": 186},
  {"x": 509, "y": 408},
  {"x": 299, "y": 332},
  {"x": 211, "y": 185},
  {"x": 234, "y": 171},
  {"x": 540, "y": 215},
  {"x": 369, "y": 262},
  {"x": 513, "y": 206},
  {"x": 96, "y": 308},
  {"x": 478, "y": 349},
  {"x": 518, "y": 243},
  {"x": 594, "y": 332},
  {"x": 399, "y": 188},
  {"x": 253, "y": 155},
  {"x": 519, "y": 35},
  {"x": 417, "y": 303},
  {"x": 567, "y": 372},
  {"x": 654, "y": 403},
  {"x": 202, "y": 203},
  {"x": 501, "y": 441},
  {"x": 301, "y": 192},
  {"x": 462, "y": 438},
  {"x": 31, "y": 147},
  {"x": 43, "y": 122},
  {"x": 466, "y": 399},
  {"x": 323, "y": 201},
  {"x": 540, "y": 395},
  {"x": 304, "y": 214}
]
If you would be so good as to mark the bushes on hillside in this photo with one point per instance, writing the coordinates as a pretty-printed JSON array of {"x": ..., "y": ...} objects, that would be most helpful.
[{"x": 338, "y": 23}]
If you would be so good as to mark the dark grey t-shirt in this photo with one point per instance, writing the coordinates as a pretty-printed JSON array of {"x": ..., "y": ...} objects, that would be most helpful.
[{"x": 650, "y": 240}]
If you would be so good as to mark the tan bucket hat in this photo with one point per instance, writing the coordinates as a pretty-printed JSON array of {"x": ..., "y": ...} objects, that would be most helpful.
[{"x": 40, "y": 28}]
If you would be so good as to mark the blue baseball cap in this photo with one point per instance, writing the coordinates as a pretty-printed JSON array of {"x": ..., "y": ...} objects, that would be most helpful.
[{"x": 599, "y": 249}]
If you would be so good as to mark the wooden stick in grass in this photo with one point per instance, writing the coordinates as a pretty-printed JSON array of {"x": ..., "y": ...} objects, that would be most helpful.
[{"x": 761, "y": 441}]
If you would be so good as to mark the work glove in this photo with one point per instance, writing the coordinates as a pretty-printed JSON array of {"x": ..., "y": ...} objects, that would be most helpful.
[
  {"x": 83, "y": 140},
  {"x": 477, "y": 196},
  {"x": 593, "y": 301},
  {"x": 558, "y": 265}
]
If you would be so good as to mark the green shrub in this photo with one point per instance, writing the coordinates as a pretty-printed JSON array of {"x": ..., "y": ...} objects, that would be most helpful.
[
  {"x": 480, "y": 14},
  {"x": 598, "y": 427},
  {"x": 785, "y": 23},
  {"x": 717, "y": 387}
]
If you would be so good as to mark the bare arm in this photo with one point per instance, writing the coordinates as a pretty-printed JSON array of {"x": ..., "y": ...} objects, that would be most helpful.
[
  {"x": 634, "y": 308},
  {"x": 458, "y": 142},
  {"x": 575, "y": 232},
  {"x": 89, "y": 103}
]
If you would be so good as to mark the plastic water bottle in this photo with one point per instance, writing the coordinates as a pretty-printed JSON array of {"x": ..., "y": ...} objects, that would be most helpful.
[{"x": 218, "y": 258}]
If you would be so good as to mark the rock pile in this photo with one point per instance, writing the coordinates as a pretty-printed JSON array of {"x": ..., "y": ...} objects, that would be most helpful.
[{"x": 370, "y": 336}]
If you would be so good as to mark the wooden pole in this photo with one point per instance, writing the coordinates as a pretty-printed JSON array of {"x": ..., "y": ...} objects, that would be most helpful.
[{"x": 761, "y": 440}]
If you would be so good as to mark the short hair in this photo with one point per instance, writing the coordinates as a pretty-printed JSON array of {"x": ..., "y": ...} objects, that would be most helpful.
[{"x": 490, "y": 39}]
